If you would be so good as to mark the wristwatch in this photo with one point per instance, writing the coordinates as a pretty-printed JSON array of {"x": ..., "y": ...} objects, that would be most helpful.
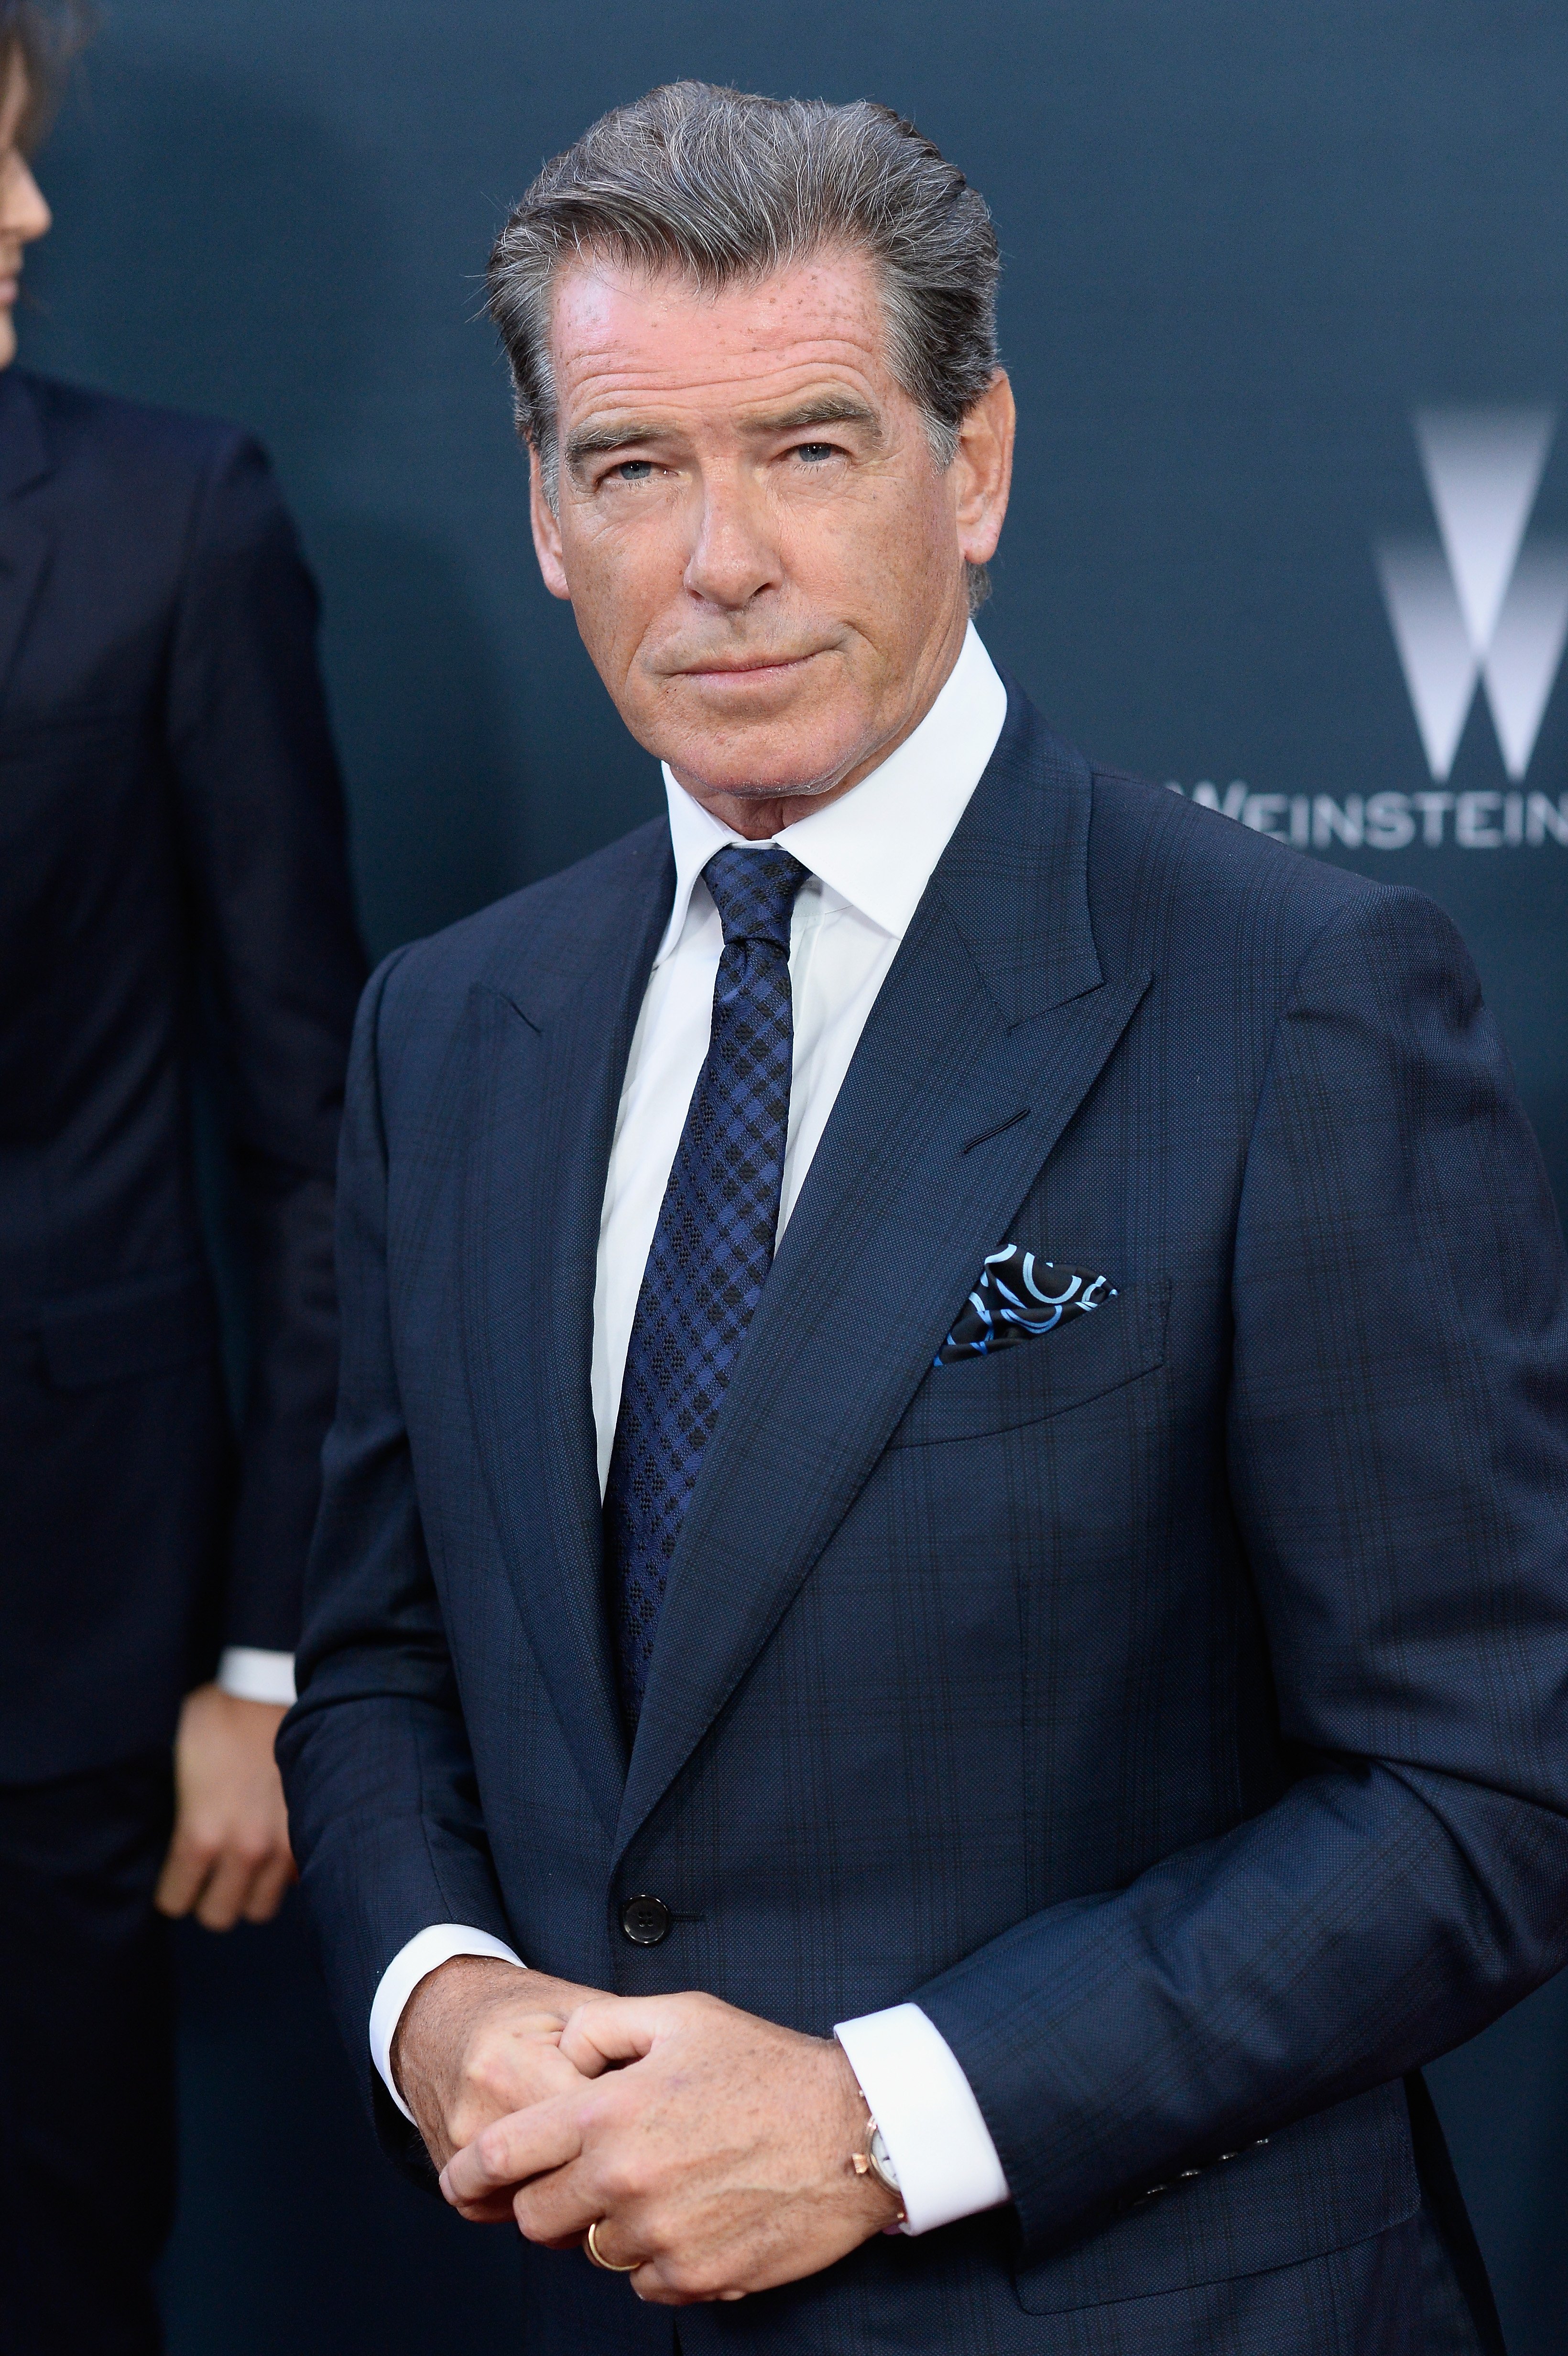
[
  {"x": 881, "y": 2158},
  {"x": 877, "y": 2161}
]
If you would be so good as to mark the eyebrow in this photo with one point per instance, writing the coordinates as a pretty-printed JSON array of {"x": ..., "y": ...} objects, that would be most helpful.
[{"x": 828, "y": 409}]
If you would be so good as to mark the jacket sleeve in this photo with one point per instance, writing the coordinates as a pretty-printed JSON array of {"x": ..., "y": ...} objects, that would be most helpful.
[
  {"x": 1398, "y": 1454},
  {"x": 383, "y": 1800},
  {"x": 263, "y": 822}
]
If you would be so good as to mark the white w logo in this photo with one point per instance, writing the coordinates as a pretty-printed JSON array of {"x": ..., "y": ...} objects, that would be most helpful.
[{"x": 1483, "y": 604}]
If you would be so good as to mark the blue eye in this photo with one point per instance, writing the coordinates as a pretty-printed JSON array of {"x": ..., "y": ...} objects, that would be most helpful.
[
  {"x": 635, "y": 470},
  {"x": 814, "y": 452}
]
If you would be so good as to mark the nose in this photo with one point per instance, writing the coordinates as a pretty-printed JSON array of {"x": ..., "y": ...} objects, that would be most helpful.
[
  {"x": 734, "y": 557},
  {"x": 24, "y": 214}
]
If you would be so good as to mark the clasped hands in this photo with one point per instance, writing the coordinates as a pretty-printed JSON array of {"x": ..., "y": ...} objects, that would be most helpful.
[{"x": 712, "y": 2150}]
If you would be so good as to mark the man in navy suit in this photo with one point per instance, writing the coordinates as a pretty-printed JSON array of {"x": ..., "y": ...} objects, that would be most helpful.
[
  {"x": 934, "y": 1659},
  {"x": 174, "y": 873}
]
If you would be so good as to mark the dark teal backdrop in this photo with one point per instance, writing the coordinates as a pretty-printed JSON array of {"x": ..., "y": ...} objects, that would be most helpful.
[{"x": 1246, "y": 243}]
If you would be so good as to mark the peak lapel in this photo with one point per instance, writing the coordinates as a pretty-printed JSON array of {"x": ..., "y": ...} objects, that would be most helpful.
[
  {"x": 994, "y": 1007},
  {"x": 550, "y": 1043},
  {"x": 25, "y": 545}
]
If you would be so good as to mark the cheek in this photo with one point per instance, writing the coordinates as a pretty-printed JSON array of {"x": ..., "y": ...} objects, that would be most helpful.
[
  {"x": 620, "y": 573},
  {"x": 890, "y": 534}
]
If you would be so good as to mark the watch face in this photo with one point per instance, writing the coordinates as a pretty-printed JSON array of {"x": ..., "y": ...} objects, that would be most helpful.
[{"x": 878, "y": 2150}]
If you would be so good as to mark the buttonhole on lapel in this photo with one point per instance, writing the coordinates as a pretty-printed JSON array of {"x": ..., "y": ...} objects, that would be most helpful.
[
  {"x": 986, "y": 1135},
  {"x": 520, "y": 1011}
]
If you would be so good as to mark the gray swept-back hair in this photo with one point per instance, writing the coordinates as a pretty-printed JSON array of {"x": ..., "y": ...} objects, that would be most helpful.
[{"x": 720, "y": 185}]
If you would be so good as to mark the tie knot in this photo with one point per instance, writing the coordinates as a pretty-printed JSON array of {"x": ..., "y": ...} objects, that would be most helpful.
[{"x": 755, "y": 891}]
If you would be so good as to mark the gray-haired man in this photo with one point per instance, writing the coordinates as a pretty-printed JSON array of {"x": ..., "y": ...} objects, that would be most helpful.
[{"x": 871, "y": 1482}]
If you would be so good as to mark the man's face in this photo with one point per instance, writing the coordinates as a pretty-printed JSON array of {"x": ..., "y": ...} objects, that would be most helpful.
[
  {"x": 765, "y": 561},
  {"x": 23, "y": 212}
]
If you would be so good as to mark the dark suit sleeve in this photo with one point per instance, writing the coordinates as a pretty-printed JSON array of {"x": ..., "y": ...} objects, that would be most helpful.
[
  {"x": 383, "y": 1800},
  {"x": 1398, "y": 1453},
  {"x": 261, "y": 804}
]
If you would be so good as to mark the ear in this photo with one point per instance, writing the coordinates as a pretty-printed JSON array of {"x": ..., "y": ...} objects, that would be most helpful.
[
  {"x": 981, "y": 470},
  {"x": 547, "y": 530}
]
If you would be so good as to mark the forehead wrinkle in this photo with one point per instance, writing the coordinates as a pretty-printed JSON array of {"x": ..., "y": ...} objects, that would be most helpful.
[
  {"x": 601, "y": 353},
  {"x": 611, "y": 361}
]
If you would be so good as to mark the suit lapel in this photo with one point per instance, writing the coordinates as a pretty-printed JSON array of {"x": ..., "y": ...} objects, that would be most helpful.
[
  {"x": 24, "y": 546},
  {"x": 550, "y": 1040},
  {"x": 995, "y": 1008}
]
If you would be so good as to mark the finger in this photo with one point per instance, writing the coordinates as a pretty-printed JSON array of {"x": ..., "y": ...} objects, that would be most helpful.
[
  {"x": 654, "y": 2290},
  {"x": 496, "y": 2209},
  {"x": 265, "y": 1894},
  {"x": 650, "y": 2285},
  {"x": 186, "y": 1868},
  {"x": 217, "y": 1908},
  {"x": 511, "y": 2150},
  {"x": 556, "y": 2209},
  {"x": 534, "y": 2072},
  {"x": 612, "y": 2029},
  {"x": 650, "y": 2288}
]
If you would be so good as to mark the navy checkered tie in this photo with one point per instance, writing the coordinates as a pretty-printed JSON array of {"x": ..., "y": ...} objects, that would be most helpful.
[{"x": 711, "y": 1250}]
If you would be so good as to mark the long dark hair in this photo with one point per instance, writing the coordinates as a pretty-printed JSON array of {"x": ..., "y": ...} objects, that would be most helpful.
[{"x": 47, "y": 36}]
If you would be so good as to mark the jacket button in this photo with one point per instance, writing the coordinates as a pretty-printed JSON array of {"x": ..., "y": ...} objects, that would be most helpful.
[{"x": 645, "y": 1921}]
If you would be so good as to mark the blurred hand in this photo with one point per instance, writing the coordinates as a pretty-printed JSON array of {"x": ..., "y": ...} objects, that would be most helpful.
[
  {"x": 229, "y": 1856},
  {"x": 479, "y": 2040},
  {"x": 713, "y": 2151}
]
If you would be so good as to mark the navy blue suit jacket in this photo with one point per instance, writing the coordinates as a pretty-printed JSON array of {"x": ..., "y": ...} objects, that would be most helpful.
[
  {"x": 173, "y": 879},
  {"x": 1173, "y": 1705}
]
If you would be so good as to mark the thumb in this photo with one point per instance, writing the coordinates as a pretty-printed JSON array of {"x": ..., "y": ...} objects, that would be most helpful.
[{"x": 609, "y": 2030}]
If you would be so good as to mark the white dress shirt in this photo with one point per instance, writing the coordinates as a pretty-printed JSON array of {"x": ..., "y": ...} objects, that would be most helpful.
[
  {"x": 870, "y": 857},
  {"x": 252, "y": 1675}
]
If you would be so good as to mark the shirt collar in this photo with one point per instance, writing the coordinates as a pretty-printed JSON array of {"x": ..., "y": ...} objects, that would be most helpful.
[{"x": 876, "y": 845}]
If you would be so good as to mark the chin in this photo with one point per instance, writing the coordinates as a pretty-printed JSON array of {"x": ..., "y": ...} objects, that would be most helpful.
[
  {"x": 777, "y": 773},
  {"x": 765, "y": 755}
]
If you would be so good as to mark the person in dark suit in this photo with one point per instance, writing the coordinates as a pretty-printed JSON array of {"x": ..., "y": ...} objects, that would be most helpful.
[
  {"x": 935, "y": 1658},
  {"x": 173, "y": 871}
]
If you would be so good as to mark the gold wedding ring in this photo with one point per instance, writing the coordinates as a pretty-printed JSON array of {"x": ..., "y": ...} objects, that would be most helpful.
[{"x": 597, "y": 2257}]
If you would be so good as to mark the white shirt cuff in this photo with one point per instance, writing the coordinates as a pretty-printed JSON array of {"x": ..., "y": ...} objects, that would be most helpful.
[
  {"x": 250, "y": 1675},
  {"x": 939, "y": 2144},
  {"x": 425, "y": 1953}
]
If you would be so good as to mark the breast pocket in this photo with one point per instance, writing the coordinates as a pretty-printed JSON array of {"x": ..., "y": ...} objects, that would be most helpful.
[{"x": 1045, "y": 1375}]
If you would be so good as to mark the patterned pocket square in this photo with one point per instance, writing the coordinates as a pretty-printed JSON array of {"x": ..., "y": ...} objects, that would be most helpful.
[{"x": 1017, "y": 1297}]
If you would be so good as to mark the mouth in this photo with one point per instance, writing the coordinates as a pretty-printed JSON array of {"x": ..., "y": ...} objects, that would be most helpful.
[{"x": 759, "y": 666}]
